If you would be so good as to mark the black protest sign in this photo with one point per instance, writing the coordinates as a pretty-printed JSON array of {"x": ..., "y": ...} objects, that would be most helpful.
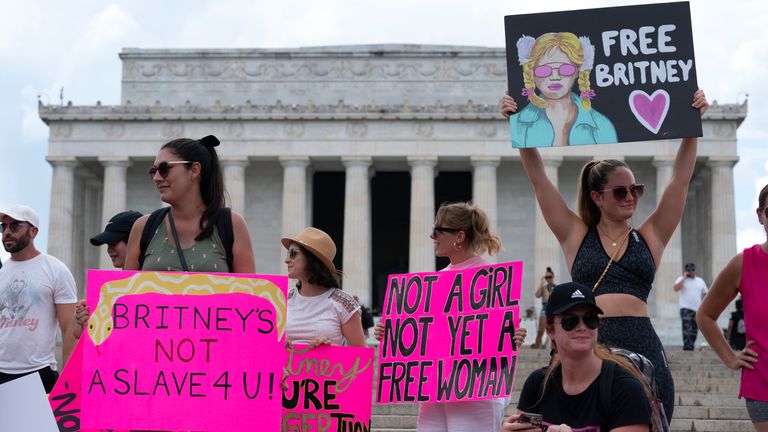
[{"x": 601, "y": 76}]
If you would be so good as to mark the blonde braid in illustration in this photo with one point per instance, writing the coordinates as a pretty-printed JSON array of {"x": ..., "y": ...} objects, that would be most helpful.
[{"x": 100, "y": 323}]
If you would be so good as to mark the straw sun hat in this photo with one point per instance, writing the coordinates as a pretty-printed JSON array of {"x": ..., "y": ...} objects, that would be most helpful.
[{"x": 317, "y": 242}]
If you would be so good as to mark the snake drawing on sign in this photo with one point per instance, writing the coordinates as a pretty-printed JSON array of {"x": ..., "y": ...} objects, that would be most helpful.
[{"x": 100, "y": 323}]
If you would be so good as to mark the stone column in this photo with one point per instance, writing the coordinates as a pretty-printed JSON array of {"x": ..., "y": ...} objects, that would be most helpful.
[
  {"x": 665, "y": 310},
  {"x": 357, "y": 228},
  {"x": 484, "y": 189},
  {"x": 547, "y": 251},
  {"x": 421, "y": 251},
  {"x": 723, "y": 213},
  {"x": 294, "y": 195},
  {"x": 60, "y": 229},
  {"x": 234, "y": 178},
  {"x": 114, "y": 198},
  {"x": 92, "y": 223}
]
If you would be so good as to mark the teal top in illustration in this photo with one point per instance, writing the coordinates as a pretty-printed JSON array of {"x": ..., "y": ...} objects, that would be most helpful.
[{"x": 531, "y": 127}]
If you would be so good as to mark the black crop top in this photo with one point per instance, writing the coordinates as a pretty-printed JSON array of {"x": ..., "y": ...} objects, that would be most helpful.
[{"x": 632, "y": 274}]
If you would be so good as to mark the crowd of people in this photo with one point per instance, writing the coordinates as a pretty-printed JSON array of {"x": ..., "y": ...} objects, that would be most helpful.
[{"x": 611, "y": 262}]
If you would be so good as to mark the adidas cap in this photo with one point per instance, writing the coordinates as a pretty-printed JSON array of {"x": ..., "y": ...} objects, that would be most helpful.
[{"x": 568, "y": 295}]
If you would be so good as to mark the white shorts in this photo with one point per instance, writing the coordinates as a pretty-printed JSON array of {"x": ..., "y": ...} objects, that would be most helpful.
[{"x": 471, "y": 416}]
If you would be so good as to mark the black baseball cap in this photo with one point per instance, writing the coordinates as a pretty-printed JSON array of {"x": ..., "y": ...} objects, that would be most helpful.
[
  {"x": 118, "y": 228},
  {"x": 568, "y": 295}
]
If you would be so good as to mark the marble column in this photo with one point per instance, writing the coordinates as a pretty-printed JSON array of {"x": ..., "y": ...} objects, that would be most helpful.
[
  {"x": 421, "y": 251},
  {"x": 484, "y": 189},
  {"x": 723, "y": 213},
  {"x": 665, "y": 310},
  {"x": 294, "y": 196},
  {"x": 114, "y": 198},
  {"x": 234, "y": 178},
  {"x": 60, "y": 229},
  {"x": 357, "y": 228},
  {"x": 92, "y": 223},
  {"x": 547, "y": 251}
]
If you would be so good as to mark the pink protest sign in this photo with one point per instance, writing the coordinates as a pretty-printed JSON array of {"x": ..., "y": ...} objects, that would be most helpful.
[
  {"x": 448, "y": 336},
  {"x": 183, "y": 351},
  {"x": 329, "y": 389}
]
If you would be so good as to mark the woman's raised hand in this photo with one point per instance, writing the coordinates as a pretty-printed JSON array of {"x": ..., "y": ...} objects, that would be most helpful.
[{"x": 507, "y": 105}]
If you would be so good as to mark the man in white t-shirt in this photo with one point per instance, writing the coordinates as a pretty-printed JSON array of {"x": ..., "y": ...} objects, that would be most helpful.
[
  {"x": 692, "y": 289},
  {"x": 36, "y": 291}
]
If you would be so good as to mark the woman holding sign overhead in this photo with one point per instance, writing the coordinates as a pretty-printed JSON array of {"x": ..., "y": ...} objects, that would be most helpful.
[
  {"x": 462, "y": 234},
  {"x": 605, "y": 252},
  {"x": 319, "y": 312}
]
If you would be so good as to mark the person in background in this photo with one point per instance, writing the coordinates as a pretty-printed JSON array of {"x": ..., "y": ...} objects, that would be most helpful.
[
  {"x": 736, "y": 334},
  {"x": 115, "y": 236},
  {"x": 543, "y": 291},
  {"x": 366, "y": 318},
  {"x": 692, "y": 289}
]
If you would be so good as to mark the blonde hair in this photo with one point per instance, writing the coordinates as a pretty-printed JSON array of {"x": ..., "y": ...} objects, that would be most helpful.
[
  {"x": 474, "y": 222},
  {"x": 569, "y": 44}
]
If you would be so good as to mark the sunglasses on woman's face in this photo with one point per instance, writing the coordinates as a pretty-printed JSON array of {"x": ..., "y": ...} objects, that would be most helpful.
[
  {"x": 569, "y": 322},
  {"x": 291, "y": 253},
  {"x": 163, "y": 167},
  {"x": 436, "y": 229},
  {"x": 545, "y": 70},
  {"x": 620, "y": 192}
]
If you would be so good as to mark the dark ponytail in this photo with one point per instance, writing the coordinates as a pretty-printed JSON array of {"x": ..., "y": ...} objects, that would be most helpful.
[
  {"x": 761, "y": 198},
  {"x": 593, "y": 177},
  {"x": 211, "y": 177}
]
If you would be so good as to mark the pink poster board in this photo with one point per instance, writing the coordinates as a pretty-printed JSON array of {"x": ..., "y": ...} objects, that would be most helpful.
[
  {"x": 448, "y": 336},
  {"x": 329, "y": 389},
  {"x": 183, "y": 351}
]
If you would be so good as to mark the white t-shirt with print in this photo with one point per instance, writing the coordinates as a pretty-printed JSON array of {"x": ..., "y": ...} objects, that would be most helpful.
[
  {"x": 692, "y": 292},
  {"x": 321, "y": 315},
  {"x": 29, "y": 293}
]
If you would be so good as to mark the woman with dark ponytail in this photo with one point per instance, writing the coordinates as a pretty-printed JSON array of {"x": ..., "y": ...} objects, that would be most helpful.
[
  {"x": 211, "y": 238},
  {"x": 606, "y": 253}
]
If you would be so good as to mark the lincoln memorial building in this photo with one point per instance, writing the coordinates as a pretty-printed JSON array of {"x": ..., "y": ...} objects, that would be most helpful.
[{"x": 363, "y": 142}]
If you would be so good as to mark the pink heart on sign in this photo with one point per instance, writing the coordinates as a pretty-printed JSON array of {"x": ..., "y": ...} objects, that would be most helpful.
[{"x": 651, "y": 110}]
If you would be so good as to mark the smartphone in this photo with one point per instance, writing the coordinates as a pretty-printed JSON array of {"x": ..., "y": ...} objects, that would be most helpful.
[{"x": 532, "y": 419}]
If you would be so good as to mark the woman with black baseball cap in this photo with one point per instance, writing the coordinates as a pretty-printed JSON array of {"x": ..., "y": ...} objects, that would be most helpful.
[
  {"x": 115, "y": 236},
  {"x": 565, "y": 395}
]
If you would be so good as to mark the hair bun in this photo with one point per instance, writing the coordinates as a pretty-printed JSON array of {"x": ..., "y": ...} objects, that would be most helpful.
[{"x": 209, "y": 141}]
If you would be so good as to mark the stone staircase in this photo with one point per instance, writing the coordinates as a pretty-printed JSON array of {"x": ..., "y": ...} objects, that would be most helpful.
[{"x": 706, "y": 395}]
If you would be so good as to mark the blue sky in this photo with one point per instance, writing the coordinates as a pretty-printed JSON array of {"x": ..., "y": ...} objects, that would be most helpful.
[{"x": 47, "y": 45}]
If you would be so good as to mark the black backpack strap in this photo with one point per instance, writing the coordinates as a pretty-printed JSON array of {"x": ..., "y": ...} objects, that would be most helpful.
[
  {"x": 153, "y": 222},
  {"x": 606, "y": 384},
  {"x": 226, "y": 233}
]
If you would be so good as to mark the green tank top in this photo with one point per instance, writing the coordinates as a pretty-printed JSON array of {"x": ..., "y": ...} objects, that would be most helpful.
[{"x": 207, "y": 255}]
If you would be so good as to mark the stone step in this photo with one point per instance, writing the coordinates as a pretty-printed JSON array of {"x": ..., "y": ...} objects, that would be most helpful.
[{"x": 688, "y": 425}]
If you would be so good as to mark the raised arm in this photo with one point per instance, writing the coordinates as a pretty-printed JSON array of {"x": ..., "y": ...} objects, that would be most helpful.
[
  {"x": 661, "y": 224},
  {"x": 564, "y": 223}
]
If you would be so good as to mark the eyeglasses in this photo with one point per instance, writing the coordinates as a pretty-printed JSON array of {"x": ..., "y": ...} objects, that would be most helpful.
[
  {"x": 13, "y": 226},
  {"x": 569, "y": 322},
  {"x": 547, "y": 277},
  {"x": 291, "y": 253},
  {"x": 436, "y": 229},
  {"x": 163, "y": 167},
  {"x": 620, "y": 192},
  {"x": 545, "y": 70}
]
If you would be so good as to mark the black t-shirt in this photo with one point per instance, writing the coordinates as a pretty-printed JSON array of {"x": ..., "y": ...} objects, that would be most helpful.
[
  {"x": 583, "y": 412},
  {"x": 738, "y": 333}
]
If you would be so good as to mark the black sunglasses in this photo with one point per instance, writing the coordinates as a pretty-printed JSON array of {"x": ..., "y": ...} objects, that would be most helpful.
[
  {"x": 569, "y": 322},
  {"x": 13, "y": 226},
  {"x": 291, "y": 253},
  {"x": 436, "y": 229},
  {"x": 620, "y": 192},
  {"x": 163, "y": 167}
]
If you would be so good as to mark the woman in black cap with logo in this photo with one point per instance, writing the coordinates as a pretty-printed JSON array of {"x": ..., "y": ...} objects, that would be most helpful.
[{"x": 565, "y": 396}]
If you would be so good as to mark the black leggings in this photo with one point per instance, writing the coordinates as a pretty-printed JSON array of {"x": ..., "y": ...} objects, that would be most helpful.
[
  {"x": 637, "y": 334},
  {"x": 47, "y": 375}
]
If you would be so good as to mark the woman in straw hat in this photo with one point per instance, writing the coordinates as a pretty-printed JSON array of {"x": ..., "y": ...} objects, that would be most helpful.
[{"x": 319, "y": 312}]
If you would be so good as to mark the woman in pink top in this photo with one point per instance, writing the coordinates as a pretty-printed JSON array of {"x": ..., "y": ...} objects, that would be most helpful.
[
  {"x": 746, "y": 273},
  {"x": 462, "y": 234}
]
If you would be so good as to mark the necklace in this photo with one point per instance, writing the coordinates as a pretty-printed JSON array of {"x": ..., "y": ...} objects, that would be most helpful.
[{"x": 614, "y": 241}]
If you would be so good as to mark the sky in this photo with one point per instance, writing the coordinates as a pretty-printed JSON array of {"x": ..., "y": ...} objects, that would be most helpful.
[{"x": 46, "y": 45}]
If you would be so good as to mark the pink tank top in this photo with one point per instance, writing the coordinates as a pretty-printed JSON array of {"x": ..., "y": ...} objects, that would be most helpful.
[{"x": 754, "y": 292}]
